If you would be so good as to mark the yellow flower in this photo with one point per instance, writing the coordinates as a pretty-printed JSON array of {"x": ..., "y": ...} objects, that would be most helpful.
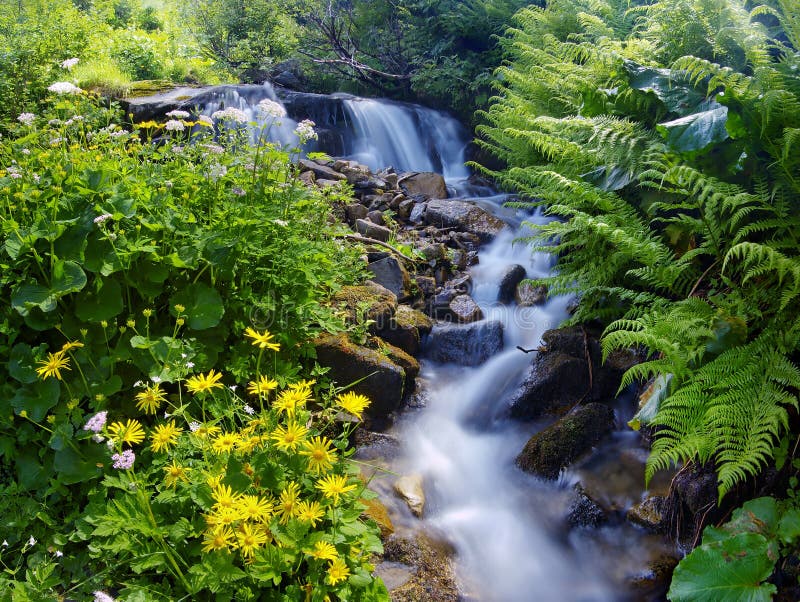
[
  {"x": 319, "y": 454},
  {"x": 225, "y": 442},
  {"x": 53, "y": 365},
  {"x": 218, "y": 539},
  {"x": 303, "y": 385},
  {"x": 197, "y": 384},
  {"x": 333, "y": 486},
  {"x": 323, "y": 551},
  {"x": 287, "y": 503},
  {"x": 290, "y": 399},
  {"x": 253, "y": 507},
  {"x": 337, "y": 571},
  {"x": 165, "y": 436},
  {"x": 310, "y": 512},
  {"x": 353, "y": 403},
  {"x": 224, "y": 497},
  {"x": 130, "y": 432},
  {"x": 250, "y": 539},
  {"x": 213, "y": 481},
  {"x": 222, "y": 517},
  {"x": 263, "y": 340},
  {"x": 247, "y": 445},
  {"x": 290, "y": 437},
  {"x": 149, "y": 400},
  {"x": 70, "y": 345},
  {"x": 175, "y": 473},
  {"x": 205, "y": 431},
  {"x": 262, "y": 386}
]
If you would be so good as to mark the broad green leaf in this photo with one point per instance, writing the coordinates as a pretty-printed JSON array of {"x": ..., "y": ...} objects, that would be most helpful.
[
  {"x": 203, "y": 305},
  {"x": 37, "y": 398},
  {"x": 68, "y": 277},
  {"x": 608, "y": 178},
  {"x": 671, "y": 88},
  {"x": 697, "y": 131},
  {"x": 73, "y": 467},
  {"x": 21, "y": 364},
  {"x": 28, "y": 296},
  {"x": 103, "y": 303},
  {"x": 732, "y": 570},
  {"x": 789, "y": 526}
]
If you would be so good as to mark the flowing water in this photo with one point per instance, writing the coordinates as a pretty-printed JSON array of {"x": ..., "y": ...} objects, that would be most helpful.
[{"x": 508, "y": 528}]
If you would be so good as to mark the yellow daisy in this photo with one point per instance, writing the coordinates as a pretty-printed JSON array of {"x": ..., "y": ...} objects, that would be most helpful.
[
  {"x": 333, "y": 486},
  {"x": 289, "y": 437},
  {"x": 262, "y": 340},
  {"x": 337, "y": 571},
  {"x": 175, "y": 473},
  {"x": 353, "y": 403},
  {"x": 218, "y": 539},
  {"x": 130, "y": 432},
  {"x": 224, "y": 497},
  {"x": 247, "y": 444},
  {"x": 204, "y": 431},
  {"x": 253, "y": 507},
  {"x": 70, "y": 345},
  {"x": 149, "y": 400},
  {"x": 262, "y": 386},
  {"x": 288, "y": 502},
  {"x": 323, "y": 550},
  {"x": 250, "y": 539},
  {"x": 291, "y": 399},
  {"x": 310, "y": 512},
  {"x": 319, "y": 454},
  {"x": 222, "y": 517},
  {"x": 204, "y": 382},
  {"x": 164, "y": 436},
  {"x": 225, "y": 442},
  {"x": 53, "y": 365}
]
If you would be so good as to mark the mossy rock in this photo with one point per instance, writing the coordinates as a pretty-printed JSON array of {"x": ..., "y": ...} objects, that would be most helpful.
[
  {"x": 406, "y": 329},
  {"x": 369, "y": 301}
]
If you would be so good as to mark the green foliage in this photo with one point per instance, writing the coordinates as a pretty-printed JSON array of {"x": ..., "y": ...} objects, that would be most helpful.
[{"x": 675, "y": 185}]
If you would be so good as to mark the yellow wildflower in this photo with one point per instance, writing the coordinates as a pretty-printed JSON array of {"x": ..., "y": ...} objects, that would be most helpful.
[
  {"x": 248, "y": 444},
  {"x": 149, "y": 400},
  {"x": 200, "y": 383},
  {"x": 289, "y": 437},
  {"x": 262, "y": 340},
  {"x": 288, "y": 502},
  {"x": 225, "y": 442},
  {"x": 333, "y": 486},
  {"x": 323, "y": 550},
  {"x": 253, "y": 507},
  {"x": 53, "y": 365},
  {"x": 130, "y": 432},
  {"x": 290, "y": 399},
  {"x": 213, "y": 481},
  {"x": 70, "y": 345},
  {"x": 319, "y": 454},
  {"x": 165, "y": 436},
  {"x": 222, "y": 517},
  {"x": 224, "y": 497},
  {"x": 310, "y": 512},
  {"x": 174, "y": 473},
  {"x": 337, "y": 571},
  {"x": 204, "y": 431},
  {"x": 218, "y": 539},
  {"x": 250, "y": 539},
  {"x": 353, "y": 403},
  {"x": 262, "y": 386}
]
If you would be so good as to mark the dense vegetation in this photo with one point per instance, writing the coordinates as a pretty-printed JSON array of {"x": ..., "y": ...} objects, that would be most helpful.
[{"x": 664, "y": 136}]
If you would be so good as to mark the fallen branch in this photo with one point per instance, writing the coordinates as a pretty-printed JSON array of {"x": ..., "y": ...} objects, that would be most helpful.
[{"x": 380, "y": 243}]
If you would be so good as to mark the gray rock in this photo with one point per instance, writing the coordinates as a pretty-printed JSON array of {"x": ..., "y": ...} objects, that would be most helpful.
[
  {"x": 654, "y": 581},
  {"x": 551, "y": 450},
  {"x": 465, "y": 344},
  {"x": 392, "y": 275},
  {"x": 405, "y": 208},
  {"x": 320, "y": 171},
  {"x": 464, "y": 216},
  {"x": 371, "y": 230},
  {"x": 323, "y": 183},
  {"x": 369, "y": 301},
  {"x": 376, "y": 217},
  {"x": 426, "y": 285},
  {"x": 429, "y": 184},
  {"x": 406, "y": 329},
  {"x": 513, "y": 275},
  {"x": 527, "y": 294},
  {"x": 584, "y": 511},
  {"x": 432, "y": 577},
  {"x": 464, "y": 309},
  {"x": 417, "y": 215},
  {"x": 355, "y": 211}
]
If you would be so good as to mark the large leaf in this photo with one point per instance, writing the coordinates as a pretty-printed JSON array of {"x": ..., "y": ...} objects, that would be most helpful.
[
  {"x": 68, "y": 277},
  {"x": 732, "y": 570},
  {"x": 671, "y": 87},
  {"x": 22, "y": 364},
  {"x": 37, "y": 398},
  {"x": 697, "y": 131},
  {"x": 103, "y": 303},
  {"x": 203, "y": 305}
]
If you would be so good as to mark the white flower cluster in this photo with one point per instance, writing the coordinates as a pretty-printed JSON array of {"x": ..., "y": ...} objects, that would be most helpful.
[
  {"x": 205, "y": 120},
  {"x": 269, "y": 109},
  {"x": 177, "y": 114},
  {"x": 69, "y": 63},
  {"x": 101, "y": 218},
  {"x": 305, "y": 131},
  {"x": 216, "y": 171},
  {"x": 173, "y": 125},
  {"x": 215, "y": 149},
  {"x": 26, "y": 119},
  {"x": 230, "y": 114},
  {"x": 64, "y": 88}
]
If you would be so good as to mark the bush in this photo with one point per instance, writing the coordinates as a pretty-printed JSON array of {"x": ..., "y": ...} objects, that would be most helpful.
[{"x": 137, "y": 55}]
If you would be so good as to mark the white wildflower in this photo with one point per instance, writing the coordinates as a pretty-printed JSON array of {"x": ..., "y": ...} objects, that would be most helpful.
[
  {"x": 98, "y": 438},
  {"x": 26, "y": 119},
  {"x": 64, "y": 88},
  {"x": 190, "y": 365},
  {"x": 213, "y": 148},
  {"x": 155, "y": 379},
  {"x": 194, "y": 425},
  {"x": 176, "y": 114},
  {"x": 100, "y": 596},
  {"x": 5, "y": 543},
  {"x": 281, "y": 222},
  {"x": 69, "y": 63},
  {"x": 216, "y": 171},
  {"x": 305, "y": 131},
  {"x": 54, "y": 122},
  {"x": 173, "y": 125},
  {"x": 269, "y": 109},
  {"x": 36, "y": 177},
  {"x": 205, "y": 120},
  {"x": 101, "y": 218},
  {"x": 26, "y": 151},
  {"x": 96, "y": 422},
  {"x": 31, "y": 541},
  {"x": 58, "y": 553},
  {"x": 230, "y": 114},
  {"x": 249, "y": 409}
]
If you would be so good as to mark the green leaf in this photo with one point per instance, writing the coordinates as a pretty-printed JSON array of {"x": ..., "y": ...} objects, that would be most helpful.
[
  {"x": 203, "y": 305},
  {"x": 21, "y": 364},
  {"x": 73, "y": 467},
  {"x": 732, "y": 570},
  {"x": 26, "y": 297},
  {"x": 102, "y": 303},
  {"x": 669, "y": 86},
  {"x": 68, "y": 277},
  {"x": 789, "y": 526},
  {"x": 697, "y": 131},
  {"x": 37, "y": 398}
]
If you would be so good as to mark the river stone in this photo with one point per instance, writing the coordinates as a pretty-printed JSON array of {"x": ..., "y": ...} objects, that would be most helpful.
[
  {"x": 465, "y": 216},
  {"x": 409, "y": 488},
  {"x": 354, "y": 211},
  {"x": 584, "y": 511},
  {"x": 392, "y": 275},
  {"x": 406, "y": 329},
  {"x": 509, "y": 281},
  {"x": 464, "y": 309},
  {"x": 371, "y": 230},
  {"x": 307, "y": 178},
  {"x": 417, "y": 215},
  {"x": 433, "y": 578},
  {"x": 654, "y": 581},
  {"x": 650, "y": 514},
  {"x": 376, "y": 511},
  {"x": 426, "y": 285},
  {"x": 405, "y": 208},
  {"x": 402, "y": 359},
  {"x": 374, "y": 374},
  {"x": 376, "y": 217},
  {"x": 320, "y": 171},
  {"x": 369, "y": 301},
  {"x": 429, "y": 184},
  {"x": 323, "y": 183},
  {"x": 465, "y": 344},
  {"x": 551, "y": 450},
  {"x": 527, "y": 294}
]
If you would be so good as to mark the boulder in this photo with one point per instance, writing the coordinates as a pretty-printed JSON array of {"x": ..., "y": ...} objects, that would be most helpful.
[
  {"x": 307, "y": 178},
  {"x": 321, "y": 172},
  {"x": 551, "y": 450},
  {"x": 418, "y": 569},
  {"x": 405, "y": 208},
  {"x": 527, "y": 294},
  {"x": 653, "y": 582},
  {"x": 324, "y": 183},
  {"x": 390, "y": 273},
  {"x": 371, "y": 230},
  {"x": 354, "y": 211},
  {"x": 406, "y": 329},
  {"x": 376, "y": 511},
  {"x": 464, "y": 309},
  {"x": 409, "y": 488},
  {"x": 513, "y": 275},
  {"x": 401, "y": 358},
  {"x": 465, "y": 344},
  {"x": 650, "y": 514},
  {"x": 369, "y": 301},
  {"x": 584, "y": 511},
  {"x": 376, "y": 217},
  {"x": 375, "y": 375},
  {"x": 426, "y": 285},
  {"x": 429, "y": 184},
  {"x": 417, "y": 214},
  {"x": 463, "y": 215}
]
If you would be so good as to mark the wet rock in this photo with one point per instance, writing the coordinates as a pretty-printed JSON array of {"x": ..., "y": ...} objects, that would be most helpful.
[
  {"x": 654, "y": 581},
  {"x": 307, "y": 178},
  {"x": 406, "y": 329},
  {"x": 584, "y": 511},
  {"x": 405, "y": 208},
  {"x": 527, "y": 294},
  {"x": 513, "y": 275},
  {"x": 465, "y": 344},
  {"x": 426, "y": 285},
  {"x": 650, "y": 514},
  {"x": 323, "y": 183},
  {"x": 429, "y": 184},
  {"x": 390, "y": 273},
  {"x": 321, "y": 172},
  {"x": 409, "y": 488},
  {"x": 377, "y": 511},
  {"x": 369, "y": 301},
  {"x": 379, "y": 378},
  {"x": 559, "y": 445},
  {"x": 463, "y": 216},
  {"x": 417, "y": 215},
  {"x": 371, "y": 230},
  {"x": 464, "y": 309},
  {"x": 433, "y": 578},
  {"x": 402, "y": 359},
  {"x": 696, "y": 489},
  {"x": 354, "y": 211},
  {"x": 376, "y": 217}
]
